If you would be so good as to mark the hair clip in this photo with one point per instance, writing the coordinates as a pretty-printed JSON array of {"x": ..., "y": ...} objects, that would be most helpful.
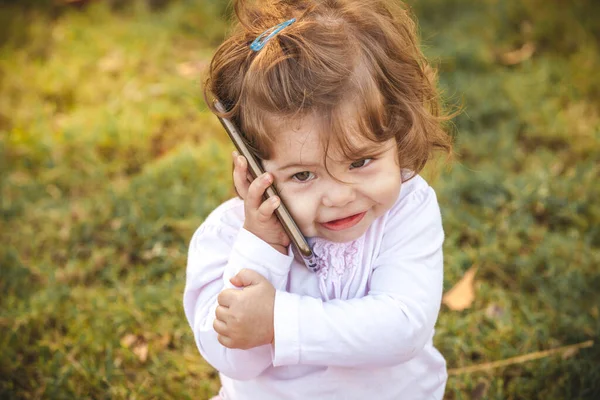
[{"x": 257, "y": 44}]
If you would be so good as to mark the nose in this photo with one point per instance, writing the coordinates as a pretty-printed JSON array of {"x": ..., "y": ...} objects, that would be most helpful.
[{"x": 338, "y": 194}]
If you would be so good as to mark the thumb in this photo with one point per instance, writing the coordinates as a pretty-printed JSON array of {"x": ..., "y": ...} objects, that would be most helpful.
[{"x": 246, "y": 277}]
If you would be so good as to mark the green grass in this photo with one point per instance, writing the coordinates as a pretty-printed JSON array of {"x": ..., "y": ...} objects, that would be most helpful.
[{"x": 109, "y": 161}]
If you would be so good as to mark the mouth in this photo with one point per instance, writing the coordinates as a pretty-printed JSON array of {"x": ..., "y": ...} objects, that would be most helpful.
[{"x": 344, "y": 223}]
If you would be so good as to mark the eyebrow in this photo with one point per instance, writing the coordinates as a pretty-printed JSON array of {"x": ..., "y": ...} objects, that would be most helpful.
[
  {"x": 368, "y": 151},
  {"x": 296, "y": 165}
]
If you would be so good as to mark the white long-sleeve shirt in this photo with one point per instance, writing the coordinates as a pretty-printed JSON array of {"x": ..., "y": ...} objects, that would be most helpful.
[{"x": 361, "y": 328}]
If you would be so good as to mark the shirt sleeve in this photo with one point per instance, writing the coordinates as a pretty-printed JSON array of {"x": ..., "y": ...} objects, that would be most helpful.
[
  {"x": 217, "y": 253},
  {"x": 394, "y": 321}
]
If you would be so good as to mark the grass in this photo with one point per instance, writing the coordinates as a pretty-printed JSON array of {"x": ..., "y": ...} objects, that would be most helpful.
[{"x": 109, "y": 161}]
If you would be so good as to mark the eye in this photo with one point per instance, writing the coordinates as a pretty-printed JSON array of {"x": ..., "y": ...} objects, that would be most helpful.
[
  {"x": 303, "y": 176},
  {"x": 361, "y": 163}
]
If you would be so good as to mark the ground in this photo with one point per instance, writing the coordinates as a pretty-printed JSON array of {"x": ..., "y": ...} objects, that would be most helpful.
[{"x": 109, "y": 160}]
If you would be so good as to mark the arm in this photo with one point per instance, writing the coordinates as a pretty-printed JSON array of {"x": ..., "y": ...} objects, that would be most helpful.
[
  {"x": 394, "y": 321},
  {"x": 216, "y": 254}
]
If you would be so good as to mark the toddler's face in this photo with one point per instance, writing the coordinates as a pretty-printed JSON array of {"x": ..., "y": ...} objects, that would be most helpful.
[{"x": 338, "y": 210}]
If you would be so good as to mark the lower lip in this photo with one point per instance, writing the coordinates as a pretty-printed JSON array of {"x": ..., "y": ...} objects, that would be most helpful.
[{"x": 344, "y": 223}]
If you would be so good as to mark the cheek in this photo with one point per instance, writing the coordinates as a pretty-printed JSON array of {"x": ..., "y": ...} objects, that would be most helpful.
[
  {"x": 385, "y": 189},
  {"x": 302, "y": 206},
  {"x": 392, "y": 191}
]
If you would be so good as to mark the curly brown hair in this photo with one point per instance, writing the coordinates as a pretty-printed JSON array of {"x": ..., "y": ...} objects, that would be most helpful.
[{"x": 340, "y": 56}]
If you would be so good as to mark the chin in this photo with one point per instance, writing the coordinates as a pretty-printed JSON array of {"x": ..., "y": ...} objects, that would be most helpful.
[{"x": 343, "y": 236}]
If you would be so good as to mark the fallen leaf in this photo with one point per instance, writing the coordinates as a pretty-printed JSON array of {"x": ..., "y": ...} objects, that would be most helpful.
[
  {"x": 519, "y": 55},
  {"x": 157, "y": 250},
  {"x": 164, "y": 341},
  {"x": 141, "y": 351},
  {"x": 494, "y": 311},
  {"x": 128, "y": 340},
  {"x": 461, "y": 296},
  {"x": 116, "y": 224}
]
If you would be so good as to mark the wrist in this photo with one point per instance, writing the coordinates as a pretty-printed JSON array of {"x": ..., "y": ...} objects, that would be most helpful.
[
  {"x": 280, "y": 248},
  {"x": 277, "y": 246}
]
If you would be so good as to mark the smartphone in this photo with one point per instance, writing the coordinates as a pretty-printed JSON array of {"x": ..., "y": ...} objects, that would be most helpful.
[{"x": 255, "y": 168}]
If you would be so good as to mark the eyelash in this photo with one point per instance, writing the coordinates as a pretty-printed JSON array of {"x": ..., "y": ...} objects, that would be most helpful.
[
  {"x": 294, "y": 177},
  {"x": 368, "y": 160},
  {"x": 311, "y": 175}
]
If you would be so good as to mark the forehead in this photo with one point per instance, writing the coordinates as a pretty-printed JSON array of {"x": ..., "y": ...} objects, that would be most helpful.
[
  {"x": 307, "y": 140},
  {"x": 300, "y": 138}
]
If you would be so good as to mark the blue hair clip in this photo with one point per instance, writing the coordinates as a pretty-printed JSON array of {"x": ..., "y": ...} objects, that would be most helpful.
[{"x": 257, "y": 44}]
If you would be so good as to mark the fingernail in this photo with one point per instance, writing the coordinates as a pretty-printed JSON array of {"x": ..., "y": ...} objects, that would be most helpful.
[
  {"x": 235, "y": 154},
  {"x": 240, "y": 161},
  {"x": 267, "y": 177},
  {"x": 275, "y": 200}
]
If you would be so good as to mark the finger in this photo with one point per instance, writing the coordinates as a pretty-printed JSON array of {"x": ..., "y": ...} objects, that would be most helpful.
[
  {"x": 267, "y": 208},
  {"x": 226, "y": 297},
  {"x": 256, "y": 190},
  {"x": 235, "y": 281},
  {"x": 240, "y": 176},
  {"x": 220, "y": 327},
  {"x": 248, "y": 277},
  {"x": 234, "y": 155},
  {"x": 222, "y": 314},
  {"x": 225, "y": 341}
]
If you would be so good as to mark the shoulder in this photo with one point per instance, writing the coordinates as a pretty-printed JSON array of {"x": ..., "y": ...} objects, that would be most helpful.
[
  {"x": 414, "y": 194},
  {"x": 415, "y": 217},
  {"x": 224, "y": 221},
  {"x": 229, "y": 213}
]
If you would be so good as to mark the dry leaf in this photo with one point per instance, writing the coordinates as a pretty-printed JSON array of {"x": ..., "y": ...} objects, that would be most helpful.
[
  {"x": 164, "y": 341},
  {"x": 157, "y": 250},
  {"x": 116, "y": 224},
  {"x": 128, "y": 340},
  {"x": 494, "y": 311},
  {"x": 141, "y": 350},
  {"x": 461, "y": 296},
  {"x": 518, "y": 56}
]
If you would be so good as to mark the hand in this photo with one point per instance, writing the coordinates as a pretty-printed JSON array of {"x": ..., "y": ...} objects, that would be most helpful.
[
  {"x": 244, "y": 318},
  {"x": 260, "y": 216}
]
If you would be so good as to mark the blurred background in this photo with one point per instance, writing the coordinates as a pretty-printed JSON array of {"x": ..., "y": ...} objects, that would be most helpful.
[{"x": 109, "y": 161}]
